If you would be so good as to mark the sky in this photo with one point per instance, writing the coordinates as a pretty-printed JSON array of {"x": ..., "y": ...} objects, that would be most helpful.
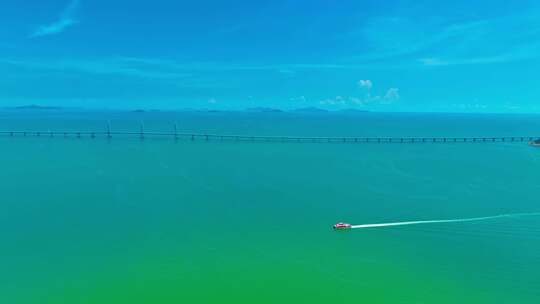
[{"x": 406, "y": 55}]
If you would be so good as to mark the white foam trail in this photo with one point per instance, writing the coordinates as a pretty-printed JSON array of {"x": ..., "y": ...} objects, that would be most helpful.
[{"x": 472, "y": 219}]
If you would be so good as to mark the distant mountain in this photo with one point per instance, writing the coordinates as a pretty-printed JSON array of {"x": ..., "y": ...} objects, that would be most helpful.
[
  {"x": 34, "y": 107},
  {"x": 350, "y": 110},
  {"x": 264, "y": 110},
  {"x": 310, "y": 110},
  {"x": 206, "y": 110}
]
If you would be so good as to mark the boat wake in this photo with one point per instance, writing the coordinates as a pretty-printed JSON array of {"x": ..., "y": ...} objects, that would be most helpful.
[{"x": 472, "y": 219}]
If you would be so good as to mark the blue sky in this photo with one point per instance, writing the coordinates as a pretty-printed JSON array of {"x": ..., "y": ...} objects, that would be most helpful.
[{"x": 457, "y": 56}]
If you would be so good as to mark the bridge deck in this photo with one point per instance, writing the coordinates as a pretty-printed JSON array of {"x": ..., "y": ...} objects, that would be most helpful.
[{"x": 222, "y": 137}]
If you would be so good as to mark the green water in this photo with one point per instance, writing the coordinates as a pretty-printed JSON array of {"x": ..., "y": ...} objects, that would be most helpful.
[{"x": 159, "y": 221}]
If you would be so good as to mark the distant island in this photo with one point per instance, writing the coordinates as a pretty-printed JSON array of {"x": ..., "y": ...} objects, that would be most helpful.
[
  {"x": 306, "y": 110},
  {"x": 351, "y": 110},
  {"x": 310, "y": 110},
  {"x": 33, "y": 107},
  {"x": 144, "y": 111},
  {"x": 264, "y": 110}
]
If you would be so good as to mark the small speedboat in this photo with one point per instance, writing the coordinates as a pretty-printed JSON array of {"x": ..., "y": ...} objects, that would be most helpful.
[
  {"x": 535, "y": 143},
  {"x": 342, "y": 226}
]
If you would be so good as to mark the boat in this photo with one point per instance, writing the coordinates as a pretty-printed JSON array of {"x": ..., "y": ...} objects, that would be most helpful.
[
  {"x": 342, "y": 226},
  {"x": 535, "y": 143}
]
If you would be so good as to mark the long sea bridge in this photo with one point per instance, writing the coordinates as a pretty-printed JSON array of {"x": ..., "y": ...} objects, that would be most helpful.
[{"x": 175, "y": 135}]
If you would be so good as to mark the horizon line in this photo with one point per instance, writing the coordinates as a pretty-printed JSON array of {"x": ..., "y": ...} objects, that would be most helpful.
[{"x": 258, "y": 109}]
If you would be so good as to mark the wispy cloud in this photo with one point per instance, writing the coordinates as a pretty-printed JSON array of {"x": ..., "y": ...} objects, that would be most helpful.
[
  {"x": 100, "y": 67},
  {"x": 288, "y": 69},
  {"x": 414, "y": 41},
  {"x": 120, "y": 70},
  {"x": 66, "y": 20},
  {"x": 519, "y": 52},
  {"x": 433, "y": 62}
]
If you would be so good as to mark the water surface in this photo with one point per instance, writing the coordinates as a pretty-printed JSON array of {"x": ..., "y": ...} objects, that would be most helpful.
[{"x": 164, "y": 221}]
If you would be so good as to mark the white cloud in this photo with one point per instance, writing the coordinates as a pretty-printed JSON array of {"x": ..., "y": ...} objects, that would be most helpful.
[
  {"x": 366, "y": 84},
  {"x": 336, "y": 101},
  {"x": 343, "y": 101},
  {"x": 54, "y": 28},
  {"x": 298, "y": 99},
  {"x": 432, "y": 61},
  {"x": 356, "y": 101},
  {"x": 391, "y": 95},
  {"x": 287, "y": 72},
  {"x": 501, "y": 58},
  {"x": 408, "y": 41},
  {"x": 105, "y": 67},
  {"x": 470, "y": 107},
  {"x": 67, "y": 19}
]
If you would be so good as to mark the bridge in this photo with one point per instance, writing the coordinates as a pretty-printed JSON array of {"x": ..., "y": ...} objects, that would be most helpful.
[{"x": 142, "y": 134}]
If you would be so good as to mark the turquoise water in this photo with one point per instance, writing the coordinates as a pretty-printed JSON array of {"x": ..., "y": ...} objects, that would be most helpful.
[{"x": 130, "y": 221}]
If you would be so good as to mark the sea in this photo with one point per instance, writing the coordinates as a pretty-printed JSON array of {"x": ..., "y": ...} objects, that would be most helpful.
[{"x": 159, "y": 220}]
